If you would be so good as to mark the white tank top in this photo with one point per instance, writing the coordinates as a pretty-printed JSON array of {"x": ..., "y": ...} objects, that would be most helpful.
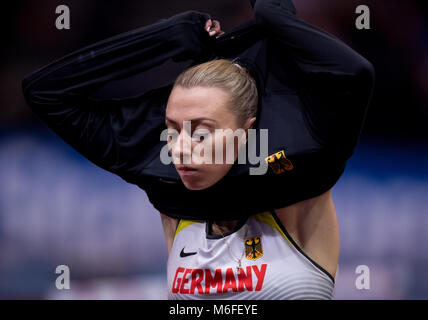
[{"x": 273, "y": 267}]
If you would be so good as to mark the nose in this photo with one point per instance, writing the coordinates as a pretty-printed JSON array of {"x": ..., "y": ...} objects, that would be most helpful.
[{"x": 181, "y": 148}]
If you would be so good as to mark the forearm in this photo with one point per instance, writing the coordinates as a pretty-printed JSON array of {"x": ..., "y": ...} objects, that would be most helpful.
[
  {"x": 313, "y": 50},
  {"x": 75, "y": 75},
  {"x": 117, "y": 134}
]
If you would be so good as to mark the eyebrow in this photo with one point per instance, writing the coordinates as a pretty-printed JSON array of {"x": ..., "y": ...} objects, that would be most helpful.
[{"x": 193, "y": 120}]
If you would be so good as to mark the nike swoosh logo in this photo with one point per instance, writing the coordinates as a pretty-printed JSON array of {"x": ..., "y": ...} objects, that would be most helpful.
[{"x": 186, "y": 254}]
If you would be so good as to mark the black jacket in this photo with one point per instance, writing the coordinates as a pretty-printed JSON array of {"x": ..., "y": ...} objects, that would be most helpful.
[{"x": 314, "y": 92}]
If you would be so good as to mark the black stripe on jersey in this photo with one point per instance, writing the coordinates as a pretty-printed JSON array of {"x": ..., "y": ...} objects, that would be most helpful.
[
  {"x": 176, "y": 227},
  {"x": 279, "y": 223}
]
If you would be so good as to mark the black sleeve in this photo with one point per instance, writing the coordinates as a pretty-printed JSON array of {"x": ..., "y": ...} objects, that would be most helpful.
[
  {"x": 116, "y": 134},
  {"x": 335, "y": 82}
]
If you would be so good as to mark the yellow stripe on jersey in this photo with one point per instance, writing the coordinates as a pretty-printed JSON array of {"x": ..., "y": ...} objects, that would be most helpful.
[
  {"x": 183, "y": 224},
  {"x": 267, "y": 218}
]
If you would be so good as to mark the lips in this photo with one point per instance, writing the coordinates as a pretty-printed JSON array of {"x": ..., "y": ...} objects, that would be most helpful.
[{"x": 185, "y": 170}]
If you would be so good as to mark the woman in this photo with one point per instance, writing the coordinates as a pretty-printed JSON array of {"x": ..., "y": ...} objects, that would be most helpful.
[
  {"x": 264, "y": 256},
  {"x": 229, "y": 234}
]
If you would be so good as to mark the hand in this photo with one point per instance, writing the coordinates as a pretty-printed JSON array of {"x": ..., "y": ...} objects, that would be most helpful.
[{"x": 213, "y": 28}]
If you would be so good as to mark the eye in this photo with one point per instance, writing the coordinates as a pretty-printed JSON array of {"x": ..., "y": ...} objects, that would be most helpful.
[
  {"x": 172, "y": 134},
  {"x": 200, "y": 135}
]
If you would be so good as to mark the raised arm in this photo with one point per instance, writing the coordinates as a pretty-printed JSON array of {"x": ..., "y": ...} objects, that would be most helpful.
[
  {"x": 336, "y": 83},
  {"x": 313, "y": 49},
  {"x": 116, "y": 135}
]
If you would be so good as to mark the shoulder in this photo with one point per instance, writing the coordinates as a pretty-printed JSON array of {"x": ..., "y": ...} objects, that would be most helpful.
[
  {"x": 303, "y": 208},
  {"x": 313, "y": 226},
  {"x": 169, "y": 228}
]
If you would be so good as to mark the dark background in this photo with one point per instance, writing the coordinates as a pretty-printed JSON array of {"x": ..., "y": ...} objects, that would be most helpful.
[{"x": 57, "y": 208}]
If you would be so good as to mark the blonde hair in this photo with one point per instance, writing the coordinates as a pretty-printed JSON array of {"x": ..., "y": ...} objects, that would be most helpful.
[{"x": 229, "y": 76}]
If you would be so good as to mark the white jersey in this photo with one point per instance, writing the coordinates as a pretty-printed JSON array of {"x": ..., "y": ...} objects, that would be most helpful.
[{"x": 273, "y": 267}]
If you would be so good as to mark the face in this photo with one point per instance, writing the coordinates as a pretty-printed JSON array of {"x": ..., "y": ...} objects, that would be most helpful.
[{"x": 202, "y": 142}]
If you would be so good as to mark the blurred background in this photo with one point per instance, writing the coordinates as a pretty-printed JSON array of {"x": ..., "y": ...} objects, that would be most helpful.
[{"x": 57, "y": 208}]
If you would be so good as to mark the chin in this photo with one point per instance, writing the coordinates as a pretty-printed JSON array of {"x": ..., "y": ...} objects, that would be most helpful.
[{"x": 194, "y": 186}]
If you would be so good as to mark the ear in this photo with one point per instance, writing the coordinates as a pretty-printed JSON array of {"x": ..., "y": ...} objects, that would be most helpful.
[{"x": 249, "y": 124}]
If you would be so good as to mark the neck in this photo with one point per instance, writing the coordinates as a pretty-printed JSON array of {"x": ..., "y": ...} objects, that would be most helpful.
[{"x": 221, "y": 227}]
